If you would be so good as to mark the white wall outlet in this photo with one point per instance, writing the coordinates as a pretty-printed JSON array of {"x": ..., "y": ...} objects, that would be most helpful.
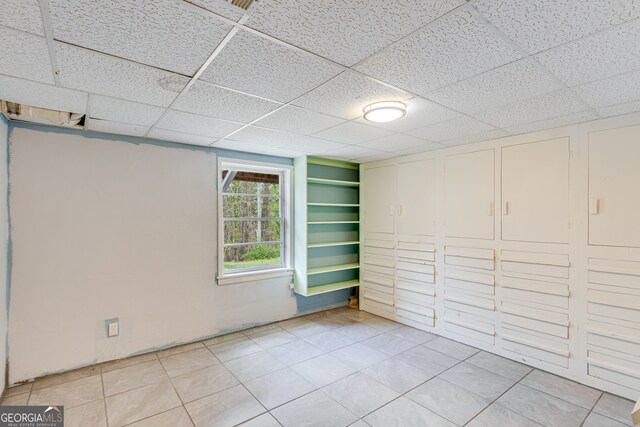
[{"x": 113, "y": 327}]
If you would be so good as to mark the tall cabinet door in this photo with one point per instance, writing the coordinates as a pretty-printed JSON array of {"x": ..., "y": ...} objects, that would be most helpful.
[
  {"x": 469, "y": 195},
  {"x": 535, "y": 192},
  {"x": 614, "y": 183},
  {"x": 416, "y": 197},
  {"x": 377, "y": 199}
]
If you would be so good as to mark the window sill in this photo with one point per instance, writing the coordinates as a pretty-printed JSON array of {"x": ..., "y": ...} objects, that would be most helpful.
[{"x": 253, "y": 276}]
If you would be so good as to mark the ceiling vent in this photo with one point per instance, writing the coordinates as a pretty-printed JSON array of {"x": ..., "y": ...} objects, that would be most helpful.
[
  {"x": 27, "y": 113},
  {"x": 242, "y": 4}
]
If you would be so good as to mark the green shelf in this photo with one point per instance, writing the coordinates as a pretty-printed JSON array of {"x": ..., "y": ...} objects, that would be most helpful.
[
  {"x": 330, "y": 268},
  {"x": 315, "y": 290},
  {"x": 333, "y": 182},
  {"x": 332, "y": 222},
  {"x": 341, "y": 205},
  {"x": 327, "y": 244}
]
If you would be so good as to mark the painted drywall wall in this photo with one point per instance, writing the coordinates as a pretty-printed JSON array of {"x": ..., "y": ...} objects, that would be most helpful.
[
  {"x": 106, "y": 227},
  {"x": 4, "y": 243}
]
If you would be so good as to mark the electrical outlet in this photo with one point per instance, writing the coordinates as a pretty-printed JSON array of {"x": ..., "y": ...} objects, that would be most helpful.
[{"x": 113, "y": 327}]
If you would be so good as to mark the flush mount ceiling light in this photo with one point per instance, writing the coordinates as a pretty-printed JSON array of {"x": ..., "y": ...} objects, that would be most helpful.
[{"x": 384, "y": 111}]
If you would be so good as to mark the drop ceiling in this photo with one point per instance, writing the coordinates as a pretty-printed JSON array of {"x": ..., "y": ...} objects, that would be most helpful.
[{"x": 290, "y": 77}]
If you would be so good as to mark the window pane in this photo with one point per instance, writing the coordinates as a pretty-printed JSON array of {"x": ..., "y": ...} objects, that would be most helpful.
[
  {"x": 251, "y": 231},
  {"x": 250, "y": 207},
  {"x": 251, "y": 256},
  {"x": 251, "y": 182}
]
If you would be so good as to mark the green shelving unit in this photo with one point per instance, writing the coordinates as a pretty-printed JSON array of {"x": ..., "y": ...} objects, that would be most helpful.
[{"x": 327, "y": 236}]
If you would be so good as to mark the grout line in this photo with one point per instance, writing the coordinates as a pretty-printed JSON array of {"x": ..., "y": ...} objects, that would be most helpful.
[{"x": 48, "y": 33}]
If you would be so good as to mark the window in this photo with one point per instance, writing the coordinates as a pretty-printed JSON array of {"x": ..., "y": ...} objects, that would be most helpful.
[{"x": 254, "y": 211}]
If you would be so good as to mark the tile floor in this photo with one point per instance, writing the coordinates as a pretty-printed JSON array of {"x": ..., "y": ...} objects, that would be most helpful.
[{"x": 334, "y": 368}]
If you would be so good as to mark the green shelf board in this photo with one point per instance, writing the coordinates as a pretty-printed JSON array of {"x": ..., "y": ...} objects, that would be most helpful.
[
  {"x": 332, "y": 222},
  {"x": 328, "y": 244},
  {"x": 333, "y": 163},
  {"x": 330, "y": 287},
  {"x": 343, "y": 205},
  {"x": 333, "y": 182},
  {"x": 331, "y": 268}
]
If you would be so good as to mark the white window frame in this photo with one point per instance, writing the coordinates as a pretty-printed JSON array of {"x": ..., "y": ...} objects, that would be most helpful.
[{"x": 286, "y": 191}]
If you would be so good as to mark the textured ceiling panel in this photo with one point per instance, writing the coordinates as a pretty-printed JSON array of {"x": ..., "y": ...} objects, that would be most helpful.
[
  {"x": 22, "y": 15},
  {"x": 117, "y": 128},
  {"x": 453, "y": 48},
  {"x": 219, "y": 7},
  {"x": 118, "y": 110},
  {"x": 342, "y": 30},
  {"x": 166, "y": 34},
  {"x": 556, "y": 122},
  {"x": 394, "y": 143},
  {"x": 209, "y": 100},
  {"x": 194, "y": 123},
  {"x": 252, "y": 147},
  {"x": 456, "y": 128},
  {"x": 183, "y": 138},
  {"x": 352, "y": 133},
  {"x": 24, "y": 55},
  {"x": 430, "y": 146},
  {"x": 102, "y": 74},
  {"x": 272, "y": 138},
  {"x": 298, "y": 120},
  {"x": 616, "y": 110},
  {"x": 42, "y": 95},
  {"x": 353, "y": 152},
  {"x": 311, "y": 146},
  {"x": 535, "y": 109},
  {"x": 478, "y": 137},
  {"x": 261, "y": 67},
  {"x": 611, "y": 91},
  {"x": 601, "y": 55},
  {"x": 542, "y": 24},
  {"x": 347, "y": 94},
  {"x": 420, "y": 113},
  {"x": 374, "y": 158},
  {"x": 504, "y": 85}
]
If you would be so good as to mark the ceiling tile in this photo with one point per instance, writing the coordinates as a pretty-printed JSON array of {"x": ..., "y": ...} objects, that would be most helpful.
[
  {"x": 209, "y": 100},
  {"x": 352, "y": 133},
  {"x": 196, "y": 124},
  {"x": 375, "y": 157},
  {"x": 429, "y": 146},
  {"x": 617, "y": 110},
  {"x": 394, "y": 143},
  {"x": 262, "y": 67},
  {"x": 117, "y": 128},
  {"x": 24, "y": 55},
  {"x": 453, "y": 48},
  {"x": 252, "y": 147},
  {"x": 347, "y": 94},
  {"x": 543, "y": 24},
  {"x": 478, "y": 137},
  {"x": 504, "y": 85},
  {"x": 180, "y": 137},
  {"x": 601, "y": 55},
  {"x": 535, "y": 109},
  {"x": 166, "y": 34},
  {"x": 556, "y": 122},
  {"x": 221, "y": 8},
  {"x": 22, "y": 15},
  {"x": 42, "y": 95},
  {"x": 353, "y": 152},
  {"x": 611, "y": 91},
  {"x": 456, "y": 128},
  {"x": 105, "y": 75},
  {"x": 345, "y": 31},
  {"x": 119, "y": 110},
  {"x": 298, "y": 120},
  {"x": 285, "y": 140},
  {"x": 420, "y": 112}
]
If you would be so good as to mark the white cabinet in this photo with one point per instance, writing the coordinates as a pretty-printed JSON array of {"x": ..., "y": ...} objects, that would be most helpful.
[
  {"x": 378, "y": 199},
  {"x": 416, "y": 197},
  {"x": 614, "y": 183},
  {"x": 535, "y": 191},
  {"x": 469, "y": 195}
]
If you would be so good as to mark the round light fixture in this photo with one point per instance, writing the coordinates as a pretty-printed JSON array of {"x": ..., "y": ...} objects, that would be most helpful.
[{"x": 384, "y": 111}]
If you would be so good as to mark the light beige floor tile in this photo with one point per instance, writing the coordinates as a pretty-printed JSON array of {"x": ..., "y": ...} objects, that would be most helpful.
[
  {"x": 323, "y": 370},
  {"x": 452, "y": 348},
  {"x": 140, "y": 403},
  {"x": 272, "y": 338},
  {"x": 254, "y": 365},
  {"x": 355, "y": 314},
  {"x": 478, "y": 381},
  {"x": 614, "y": 407},
  {"x": 597, "y": 420},
  {"x": 497, "y": 416},
  {"x": 389, "y": 344},
  {"x": 65, "y": 377},
  {"x": 197, "y": 384},
  {"x": 359, "y": 356},
  {"x": 449, "y": 401},
  {"x": 359, "y": 331},
  {"x": 189, "y": 361},
  {"x": 397, "y": 375},
  {"x": 235, "y": 348},
  {"x": 131, "y": 377},
  {"x": 223, "y": 338},
  {"x": 500, "y": 365},
  {"x": 314, "y": 409},
  {"x": 384, "y": 325},
  {"x": 176, "y": 417},
  {"x": 562, "y": 388},
  {"x": 69, "y": 394},
  {"x": 129, "y": 361},
  {"x": 404, "y": 412},
  {"x": 90, "y": 414},
  {"x": 262, "y": 329},
  {"x": 360, "y": 393},
  {"x": 179, "y": 349},
  {"x": 329, "y": 341},
  {"x": 19, "y": 389},
  {"x": 264, "y": 420},
  {"x": 428, "y": 360},
  {"x": 294, "y": 321},
  {"x": 414, "y": 335},
  {"x": 226, "y": 408},
  {"x": 294, "y": 352},
  {"x": 16, "y": 400},
  {"x": 279, "y": 387},
  {"x": 307, "y": 329}
]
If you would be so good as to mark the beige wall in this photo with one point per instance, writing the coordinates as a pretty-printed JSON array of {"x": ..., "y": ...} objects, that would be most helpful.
[
  {"x": 108, "y": 228},
  {"x": 4, "y": 233}
]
